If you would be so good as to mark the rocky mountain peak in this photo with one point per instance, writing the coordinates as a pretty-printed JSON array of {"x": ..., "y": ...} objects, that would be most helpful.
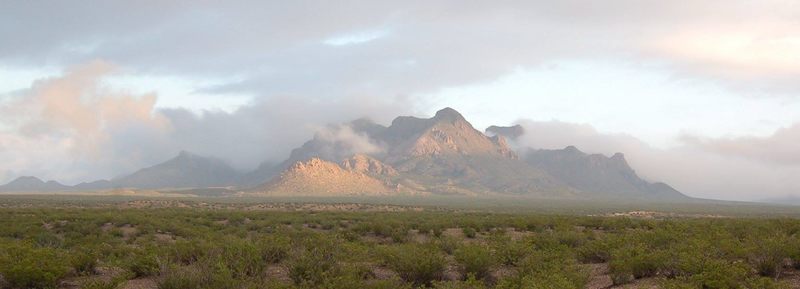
[
  {"x": 449, "y": 115},
  {"x": 447, "y": 133},
  {"x": 367, "y": 165},
  {"x": 319, "y": 177}
]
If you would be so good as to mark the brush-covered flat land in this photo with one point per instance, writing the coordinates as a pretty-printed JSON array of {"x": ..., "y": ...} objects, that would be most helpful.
[{"x": 58, "y": 242}]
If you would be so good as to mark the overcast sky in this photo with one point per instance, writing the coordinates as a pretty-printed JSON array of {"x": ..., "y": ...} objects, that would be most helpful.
[{"x": 703, "y": 95}]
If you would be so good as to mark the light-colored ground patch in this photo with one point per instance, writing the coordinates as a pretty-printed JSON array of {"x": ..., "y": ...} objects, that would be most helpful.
[
  {"x": 278, "y": 272},
  {"x": 598, "y": 276},
  {"x": 143, "y": 283}
]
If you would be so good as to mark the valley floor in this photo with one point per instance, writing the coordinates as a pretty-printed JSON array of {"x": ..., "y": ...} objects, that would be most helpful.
[{"x": 169, "y": 243}]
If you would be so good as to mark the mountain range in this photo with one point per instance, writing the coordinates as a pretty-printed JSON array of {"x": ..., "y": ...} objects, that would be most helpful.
[{"x": 441, "y": 155}]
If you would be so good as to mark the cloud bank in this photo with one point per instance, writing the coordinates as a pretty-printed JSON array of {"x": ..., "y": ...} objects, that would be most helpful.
[
  {"x": 73, "y": 128},
  {"x": 366, "y": 47},
  {"x": 738, "y": 168}
]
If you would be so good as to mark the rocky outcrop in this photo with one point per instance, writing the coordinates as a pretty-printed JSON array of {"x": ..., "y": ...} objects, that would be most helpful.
[
  {"x": 365, "y": 164},
  {"x": 316, "y": 177},
  {"x": 447, "y": 133}
]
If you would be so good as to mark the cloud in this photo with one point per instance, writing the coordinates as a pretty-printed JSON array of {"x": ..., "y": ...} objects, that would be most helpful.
[
  {"x": 347, "y": 141},
  {"x": 71, "y": 124},
  {"x": 269, "y": 129},
  {"x": 73, "y": 128},
  {"x": 737, "y": 169},
  {"x": 410, "y": 47},
  {"x": 779, "y": 148}
]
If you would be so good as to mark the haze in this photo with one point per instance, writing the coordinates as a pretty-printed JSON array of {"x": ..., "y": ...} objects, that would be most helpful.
[{"x": 701, "y": 95}]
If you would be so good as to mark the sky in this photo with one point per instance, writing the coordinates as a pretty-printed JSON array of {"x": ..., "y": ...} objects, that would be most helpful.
[{"x": 702, "y": 95}]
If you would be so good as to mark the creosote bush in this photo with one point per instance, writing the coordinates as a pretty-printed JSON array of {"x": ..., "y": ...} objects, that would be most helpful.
[
  {"x": 475, "y": 260},
  {"x": 41, "y": 247},
  {"x": 419, "y": 264}
]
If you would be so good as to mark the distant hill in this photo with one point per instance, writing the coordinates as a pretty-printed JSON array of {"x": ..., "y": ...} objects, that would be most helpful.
[
  {"x": 32, "y": 184},
  {"x": 442, "y": 155},
  {"x": 186, "y": 170},
  {"x": 317, "y": 177},
  {"x": 597, "y": 174}
]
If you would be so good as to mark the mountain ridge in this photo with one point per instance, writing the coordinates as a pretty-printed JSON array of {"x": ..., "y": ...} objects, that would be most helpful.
[{"x": 443, "y": 154}]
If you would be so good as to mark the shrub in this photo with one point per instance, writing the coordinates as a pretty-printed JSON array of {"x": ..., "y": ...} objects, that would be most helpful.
[
  {"x": 595, "y": 251},
  {"x": 448, "y": 244},
  {"x": 475, "y": 260},
  {"x": 275, "y": 249},
  {"x": 144, "y": 265},
  {"x": 470, "y": 283},
  {"x": 419, "y": 264},
  {"x": 83, "y": 262},
  {"x": 24, "y": 266},
  {"x": 469, "y": 232},
  {"x": 50, "y": 240},
  {"x": 181, "y": 279},
  {"x": 636, "y": 261},
  {"x": 188, "y": 252},
  {"x": 507, "y": 251},
  {"x": 241, "y": 258},
  {"x": 312, "y": 265},
  {"x": 547, "y": 269},
  {"x": 768, "y": 254}
]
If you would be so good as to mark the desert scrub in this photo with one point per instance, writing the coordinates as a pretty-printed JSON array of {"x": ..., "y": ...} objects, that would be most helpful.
[
  {"x": 26, "y": 266},
  {"x": 448, "y": 244},
  {"x": 469, "y": 232},
  {"x": 144, "y": 264},
  {"x": 507, "y": 251},
  {"x": 636, "y": 261},
  {"x": 469, "y": 283},
  {"x": 474, "y": 260},
  {"x": 595, "y": 251},
  {"x": 553, "y": 268},
  {"x": 419, "y": 264},
  {"x": 310, "y": 266},
  {"x": 103, "y": 284}
]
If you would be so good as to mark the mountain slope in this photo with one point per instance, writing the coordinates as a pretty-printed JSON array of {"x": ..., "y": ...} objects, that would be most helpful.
[
  {"x": 186, "y": 170},
  {"x": 442, "y": 154},
  {"x": 597, "y": 174},
  {"x": 29, "y": 184},
  {"x": 317, "y": 177}
]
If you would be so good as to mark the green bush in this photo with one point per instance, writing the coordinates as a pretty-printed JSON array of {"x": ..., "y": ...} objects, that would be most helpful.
[
  {"x": 768, "y": 254},
  {"x": 510, "y": 252},
  {"x": 418, "y": 264},
  {"x": 469, "y": 232},
  {"x": 83, "y": 262},
  {"x": 595, "y": 251},
  {"x": 635, "y": 261},
  {"x": 448, "y": 244},
  {"x": 25, "y": 266},
  {"x": 144, "y": 265},
  {"x": 553, "y": 268},
  {"x": 275, "y": 249},
  {"x": 181, "y": 279},
  {"x": 471, "y": 282},
  {"x": 312, "y": 265},
  {"x": 475, "y": 260}
]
